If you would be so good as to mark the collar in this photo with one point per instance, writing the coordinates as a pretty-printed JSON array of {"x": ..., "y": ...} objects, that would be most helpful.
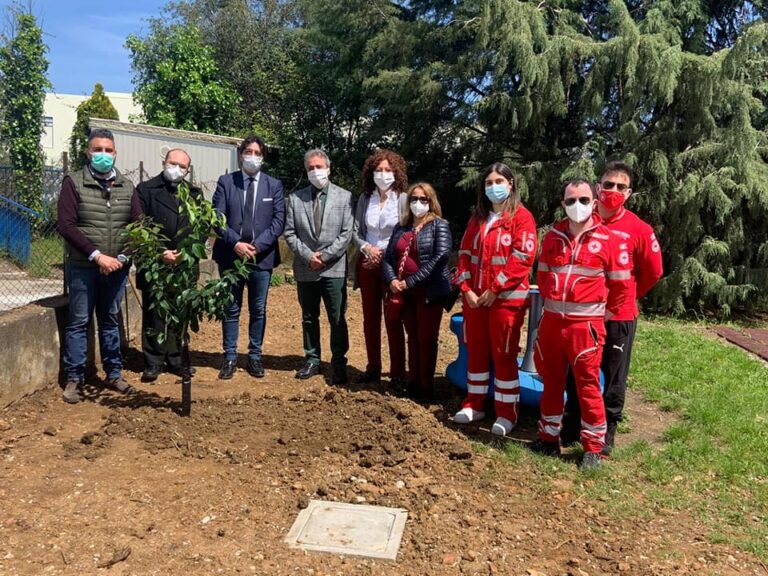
[
  {"x": 618, "y": 216},
  {"x": 99, "y": 177}
]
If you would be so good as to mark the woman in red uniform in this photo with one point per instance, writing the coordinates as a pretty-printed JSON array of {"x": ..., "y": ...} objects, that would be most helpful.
[{"x": 495, "y": 260}]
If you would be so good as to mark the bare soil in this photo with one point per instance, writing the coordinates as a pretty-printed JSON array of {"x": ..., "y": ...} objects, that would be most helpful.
[{"x": 126, "y": 480}]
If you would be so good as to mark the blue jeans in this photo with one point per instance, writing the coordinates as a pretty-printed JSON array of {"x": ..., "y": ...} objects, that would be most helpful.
[
  {"x": 258, "y": 287},
  {"x": 90, "y": 290}
]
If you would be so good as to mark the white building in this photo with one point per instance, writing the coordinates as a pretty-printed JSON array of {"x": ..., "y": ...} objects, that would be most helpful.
[
  {"x": 60, "y": 114},
  {"x": 143, "y": 147}
]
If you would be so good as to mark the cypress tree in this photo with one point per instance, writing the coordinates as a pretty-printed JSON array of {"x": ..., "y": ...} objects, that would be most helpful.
[{"x": 97, "y": 106}]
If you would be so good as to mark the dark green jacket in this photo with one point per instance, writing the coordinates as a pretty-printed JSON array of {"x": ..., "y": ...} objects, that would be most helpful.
[{"x": 102, "y": 215}]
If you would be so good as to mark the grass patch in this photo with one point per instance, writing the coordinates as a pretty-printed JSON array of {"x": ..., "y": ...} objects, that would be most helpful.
[
  {"x": 713, "y": 463},
  {"x": 46, "y": 254}
]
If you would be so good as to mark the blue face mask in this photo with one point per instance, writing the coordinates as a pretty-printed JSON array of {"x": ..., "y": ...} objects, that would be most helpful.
[
  {"x": 497, "y": 193},
  {"x": 102, "y": 162}
]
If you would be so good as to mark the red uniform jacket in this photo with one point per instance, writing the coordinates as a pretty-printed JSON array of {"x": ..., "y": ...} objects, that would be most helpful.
[
  {"x": 638, "y": 249},
  {"x": 499, "y": 257},
  {"x": 580, "y": 280}
]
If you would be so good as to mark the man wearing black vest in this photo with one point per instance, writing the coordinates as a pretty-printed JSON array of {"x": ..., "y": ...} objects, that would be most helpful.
[
  {"x": 159, "y": 201},
  {"x": 95, "y": 205}
]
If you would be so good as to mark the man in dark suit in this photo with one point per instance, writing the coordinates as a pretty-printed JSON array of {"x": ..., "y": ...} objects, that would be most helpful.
[
  {"x": 160, "y": 202},
  {"x": 318, "y": 230},
  {"x": 254, "y": 205}
]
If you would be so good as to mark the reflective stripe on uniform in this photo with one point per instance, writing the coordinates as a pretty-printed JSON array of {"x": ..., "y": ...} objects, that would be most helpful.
[
  {"x": 550, "y": 430},
  {"x": 478, "y": 376},
  {"x": 506, "y": 384},
  {"x": 513, "y": 295},
  {"x": 498, "y": 260},
  {"x": 575, "y": 308},
  {"x": 619, "y": 275},
  {"x": 463, "y": 276},
  {"x": 519, "y": 255},
  {"x": 580, "y": 354},
  {"x": 556, "y": 419},
  {"x": 501, "y": 278},
  {"x": 475, "y": 389},
  {"x": 594, "y": 431},
  {"x": 573, "y": 269},
  {"x": 474, "y": 259},
  {"x": 506, "y": 398},
  {"x": 465, "y": 253}
]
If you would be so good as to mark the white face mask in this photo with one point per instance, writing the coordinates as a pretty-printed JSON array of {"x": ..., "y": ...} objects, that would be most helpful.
[
  {"x": 252, "y": 164},
  {"x": 318, "y": 178},
  {"x": 578, "y": 212},
  {"x": 383, "y": 180},
  {"x": 174, "y": 173},
  {"x": 418, "y": 209}
]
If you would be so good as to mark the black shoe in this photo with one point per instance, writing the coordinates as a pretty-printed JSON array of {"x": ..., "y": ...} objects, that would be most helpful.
[
  {"x": 398, "y": 386},
  {"x": 308, "y": 370},
  {"x": 591, "y": 461},
  {"x": 179, "y": 371},
  {"x": 255, "y": 368},
  {"x": 368, "y": 377},
  {"x": 339, "y": 377},
  {"x": 610, "y": 438},
  {"x": 539, "y": 446},
  {"x": 228, "y": 369},
  {"x": 569, "y": 436},
  {"x": 151, "y": 373}
]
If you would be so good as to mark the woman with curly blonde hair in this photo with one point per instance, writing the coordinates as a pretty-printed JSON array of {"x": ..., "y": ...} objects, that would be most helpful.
[{"x": 379, "y": 208}]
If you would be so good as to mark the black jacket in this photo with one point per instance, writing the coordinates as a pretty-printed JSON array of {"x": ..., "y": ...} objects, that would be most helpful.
[
  {"x": 159, "y": 201},
  {"x": 433, "y": 244}
]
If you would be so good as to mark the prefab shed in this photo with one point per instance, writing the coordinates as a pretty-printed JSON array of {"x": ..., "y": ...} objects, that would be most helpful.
[{"x": 143, "y": 146}]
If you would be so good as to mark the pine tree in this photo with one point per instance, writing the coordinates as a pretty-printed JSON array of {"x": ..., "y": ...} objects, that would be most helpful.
[
  {"x": 557, "y": 88},
  {"x": 97, "y": 106}
]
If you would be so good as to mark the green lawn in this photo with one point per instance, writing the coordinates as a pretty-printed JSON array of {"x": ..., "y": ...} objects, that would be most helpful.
[
  {"x": 46, "y": 252},
  {"x": 714, "y": 461}
]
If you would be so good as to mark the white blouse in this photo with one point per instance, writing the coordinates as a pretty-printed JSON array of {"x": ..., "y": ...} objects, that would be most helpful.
[{"x": 380, "y": 221}]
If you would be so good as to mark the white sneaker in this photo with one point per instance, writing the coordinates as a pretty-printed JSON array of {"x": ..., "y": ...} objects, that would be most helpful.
[
  {"x": 502, "y": 427},
  {"x": 467, "y": 415}
]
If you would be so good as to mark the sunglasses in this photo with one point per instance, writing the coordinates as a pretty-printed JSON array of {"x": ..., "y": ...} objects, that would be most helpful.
[
  {"x": 422, "y": 199},
  {"x": 608, "y": 185},
  {"x": 585, "y": 200}
]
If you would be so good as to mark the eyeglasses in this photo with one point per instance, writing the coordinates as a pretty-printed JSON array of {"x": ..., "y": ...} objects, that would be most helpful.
[
  {"x": 422, "y": 199},
  {"x": 585, "y": 200},
  {"x": 608, "y": 185}
]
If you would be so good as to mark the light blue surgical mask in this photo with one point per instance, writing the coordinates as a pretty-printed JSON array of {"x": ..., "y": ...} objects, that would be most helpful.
[
  {"x": 102, "y": 162},
  {"x": 497, "y": 193}
]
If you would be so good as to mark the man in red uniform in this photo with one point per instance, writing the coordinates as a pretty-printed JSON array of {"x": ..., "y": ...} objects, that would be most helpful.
[
  {"x": 582, "y": 283},
  {"x": 640, "y": 251}
]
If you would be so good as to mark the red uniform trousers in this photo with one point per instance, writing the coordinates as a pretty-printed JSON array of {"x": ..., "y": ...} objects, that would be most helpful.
[
  {"x": 372, "y": 292},
  {"x": 422, "y": 324},
  {"x": 493, "y": 333},
  {"x": 579, "y": 344}
]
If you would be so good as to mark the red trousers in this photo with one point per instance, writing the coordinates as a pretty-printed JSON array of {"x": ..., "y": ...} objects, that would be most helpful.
[
  {"x": 493, "y": 333},
  {"x": 372, "y": 292},
  {"x": 579, "y": 344},
  {"x": 422, "y": 324}
]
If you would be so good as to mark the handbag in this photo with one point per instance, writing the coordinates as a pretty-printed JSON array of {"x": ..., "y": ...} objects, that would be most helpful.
[{"x": 395, "y": 302}]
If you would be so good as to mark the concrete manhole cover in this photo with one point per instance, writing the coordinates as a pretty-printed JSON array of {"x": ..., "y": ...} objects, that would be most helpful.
[{"x": 352, "y": 529}]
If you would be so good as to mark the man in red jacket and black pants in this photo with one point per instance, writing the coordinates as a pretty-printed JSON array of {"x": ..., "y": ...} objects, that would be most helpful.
[
  {"x": 582, "y": 283},
  {"x": 640, "y": 251}
]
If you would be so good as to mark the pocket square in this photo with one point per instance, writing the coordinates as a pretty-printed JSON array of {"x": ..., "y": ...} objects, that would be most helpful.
[{"x": 267, "y": 199}]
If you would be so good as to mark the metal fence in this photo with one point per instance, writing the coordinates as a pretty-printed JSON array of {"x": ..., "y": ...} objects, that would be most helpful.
[{"x": 31, "y": 250}]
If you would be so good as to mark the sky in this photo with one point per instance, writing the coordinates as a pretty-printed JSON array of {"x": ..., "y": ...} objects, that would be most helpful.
[{"x": 86, "y": 40}]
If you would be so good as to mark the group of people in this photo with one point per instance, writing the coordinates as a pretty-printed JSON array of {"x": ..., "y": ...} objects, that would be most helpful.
[{"x": 593, "y": 266}]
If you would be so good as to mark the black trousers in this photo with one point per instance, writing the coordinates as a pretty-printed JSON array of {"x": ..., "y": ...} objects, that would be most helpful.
[
  {"x": 617, "y": 353},
  {"x": 152, "y": 324}
]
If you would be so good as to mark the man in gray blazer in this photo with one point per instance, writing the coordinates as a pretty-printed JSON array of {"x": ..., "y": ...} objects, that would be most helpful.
[{"x": 318, "y": 229}]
